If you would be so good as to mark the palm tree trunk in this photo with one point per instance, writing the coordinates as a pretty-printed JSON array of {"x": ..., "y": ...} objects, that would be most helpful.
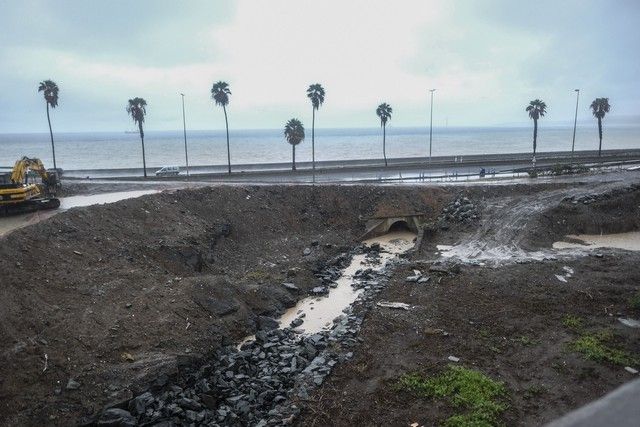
[
  {"x": 600, "y": 135},
  {"x": 53, "y": 147},
  {"x": 293, "y": 167},
  {"x": 226, "y": 122},
  {"x": 144, "y": 160},
  {"x": 313, "y": 145},
  {"x": 535, "y": 140},
  {"x": 384, "y": 143}
]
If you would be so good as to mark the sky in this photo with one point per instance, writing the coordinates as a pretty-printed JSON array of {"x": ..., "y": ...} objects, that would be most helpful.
[{"x": 486, "y": 59}]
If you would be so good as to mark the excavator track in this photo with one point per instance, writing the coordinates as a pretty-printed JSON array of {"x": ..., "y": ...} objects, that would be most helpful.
[{"x": 29, "y": 206}]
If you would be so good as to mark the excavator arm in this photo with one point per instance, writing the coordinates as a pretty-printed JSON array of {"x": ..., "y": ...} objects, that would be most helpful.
[{"x": 22, "y": 166}]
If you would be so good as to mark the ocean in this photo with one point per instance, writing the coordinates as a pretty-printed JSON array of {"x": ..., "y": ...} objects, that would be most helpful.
[{"x": 106, "y": 150}]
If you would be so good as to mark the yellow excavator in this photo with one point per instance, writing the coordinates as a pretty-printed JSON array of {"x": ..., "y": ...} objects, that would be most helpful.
[{"x": 20, "y": 192}]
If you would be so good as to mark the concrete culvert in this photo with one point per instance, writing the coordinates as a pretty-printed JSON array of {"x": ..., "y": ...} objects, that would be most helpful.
[{"x": 399, "y": 226}]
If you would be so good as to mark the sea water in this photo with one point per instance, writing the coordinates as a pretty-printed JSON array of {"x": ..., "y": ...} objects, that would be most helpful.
[{"x": 104, "y": 150}]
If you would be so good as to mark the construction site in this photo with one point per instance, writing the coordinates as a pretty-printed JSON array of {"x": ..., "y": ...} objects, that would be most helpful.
[{"x": 193, "y": 304}]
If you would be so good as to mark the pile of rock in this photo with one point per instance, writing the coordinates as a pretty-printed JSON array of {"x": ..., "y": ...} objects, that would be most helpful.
[
  {"x": 260, "y": 383},
  {"x": 460, "y": 210}
]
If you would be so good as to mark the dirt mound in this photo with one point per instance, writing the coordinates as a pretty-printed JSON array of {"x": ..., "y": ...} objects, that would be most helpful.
[
  {"x": 97, "y": 302},
  {"x": 614, "y": 210}
]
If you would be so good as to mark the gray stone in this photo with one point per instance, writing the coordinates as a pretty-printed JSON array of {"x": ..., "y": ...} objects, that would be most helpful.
[
  {"x": 72, "y": 384},
  {"x": 267, "y": 323},
  {"x": 307, "y": 251},
  {"x": 116, "y": 417},
  {"x": 290, "y": 287}
]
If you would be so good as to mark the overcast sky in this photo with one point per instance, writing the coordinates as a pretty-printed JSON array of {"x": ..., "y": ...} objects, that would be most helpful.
[{"x": 487, "y": 59}]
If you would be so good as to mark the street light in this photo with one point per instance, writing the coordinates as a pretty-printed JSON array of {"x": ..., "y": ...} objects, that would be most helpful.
[
  {"x": 575, "y": 122},
  {"x": 184, "y": 127},
  {"x": 431, "y": 125}
]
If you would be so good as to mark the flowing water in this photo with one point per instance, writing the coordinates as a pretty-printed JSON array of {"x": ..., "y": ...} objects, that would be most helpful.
[
  {"x": 319, "y": 312},
  {"x": 629, "y": 241}
]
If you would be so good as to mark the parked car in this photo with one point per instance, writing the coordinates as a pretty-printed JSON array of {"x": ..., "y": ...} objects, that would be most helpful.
[{"x": 168, "y": 171}]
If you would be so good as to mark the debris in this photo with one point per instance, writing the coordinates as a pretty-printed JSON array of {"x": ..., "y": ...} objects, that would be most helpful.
[
  {"x": 569, "y": 270},
  {"x": 46, "y": 362},
  {"x": 116, "y": 417},
  {"x": 307, "y": 251},
  {"x": 127, "y": 357},
  {"x": 631, "y": 370},
  {"x": 72, "y": 384},
  {"x": 398, "y": 305},
  {"x": 632, "y": 323},
  {"x": 453, "y": 359},
  {"x": 290, "y": 286},
  {"x": 77, "y": 252},
  {"x": 561, "y": 278}
]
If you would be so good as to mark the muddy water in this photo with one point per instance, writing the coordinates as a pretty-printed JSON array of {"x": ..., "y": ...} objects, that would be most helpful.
[
  {"x": 629, "y": 241},
  {"x": 10, "y": 223},
  {"x": 319, "y": 312}
]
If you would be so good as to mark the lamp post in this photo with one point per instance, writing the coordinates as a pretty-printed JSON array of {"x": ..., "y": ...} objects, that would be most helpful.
[
  {"x": 575, "y": 122},
  {"x": 184, "y": 127},
  {"x": 431, "y": 125}
]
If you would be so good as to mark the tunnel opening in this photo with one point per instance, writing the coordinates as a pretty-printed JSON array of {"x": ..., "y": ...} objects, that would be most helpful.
[{"x": 399, "y": 226}]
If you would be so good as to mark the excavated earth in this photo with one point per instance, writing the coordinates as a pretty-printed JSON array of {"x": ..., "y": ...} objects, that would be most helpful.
[{"x": 100, "y": 304}]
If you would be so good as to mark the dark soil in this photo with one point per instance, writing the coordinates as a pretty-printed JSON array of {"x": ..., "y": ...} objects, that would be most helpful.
[
  {"x": 112, "y": 296},
  {"x": 507, "y": 321}
]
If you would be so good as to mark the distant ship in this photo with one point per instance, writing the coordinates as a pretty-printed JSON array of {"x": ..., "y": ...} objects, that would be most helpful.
[{"x": 130, "y": 131}]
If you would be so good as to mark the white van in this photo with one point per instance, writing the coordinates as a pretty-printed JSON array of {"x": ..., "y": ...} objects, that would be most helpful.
[{"x": 168, "y": 171}]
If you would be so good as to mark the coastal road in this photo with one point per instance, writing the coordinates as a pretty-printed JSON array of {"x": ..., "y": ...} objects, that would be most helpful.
[{"x": 444, "y": 167}]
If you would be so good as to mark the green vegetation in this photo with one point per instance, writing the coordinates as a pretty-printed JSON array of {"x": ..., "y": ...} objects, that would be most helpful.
[
  {"x": 595, "y": 347},
  {"x": 572, "y": 322},
  {"x": 384, "y": 111},
  {"x": 471, "y": 390},
  {"x": 567, "y": 169},
  {"x": 634, "y": 302},
  {"x": 526, "y": 341},
  {"x": 536, "y": 110},
  {"x": 600, "y": 107}
]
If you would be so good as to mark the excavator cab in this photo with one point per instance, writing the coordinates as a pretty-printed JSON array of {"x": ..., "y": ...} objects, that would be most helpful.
[{"x": 22, "y": 192}]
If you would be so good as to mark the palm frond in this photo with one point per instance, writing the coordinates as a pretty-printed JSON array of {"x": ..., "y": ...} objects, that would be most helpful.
[
  {"x": 294, "y": 132},
  {"x": 220, "y": 93}
]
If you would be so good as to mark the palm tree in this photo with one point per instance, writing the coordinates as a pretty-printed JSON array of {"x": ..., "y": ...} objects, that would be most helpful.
[
  {"x": 294, "y": 134},
  {"x": 316, "y": 94},
  {"x": 600, "y": 107},
  {"x": 220, "y": 94},
  {"x": 384, "y": 111},
  {"x": 137, "y": 109},
  {"x": 50, "y": 91},
  {"x": 536, "y": 109}
]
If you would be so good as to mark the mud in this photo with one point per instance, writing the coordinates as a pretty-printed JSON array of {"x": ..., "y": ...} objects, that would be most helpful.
[
  {"x": 103, "y": 303},
  {"x": 115, "y": 295}
]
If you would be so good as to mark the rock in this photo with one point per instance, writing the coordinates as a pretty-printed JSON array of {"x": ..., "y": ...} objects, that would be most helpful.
[
  {"x": 116, "y": 417},
  {"x": 139, "y": 404},
  {"x": 290, "y": 287},
  {"x": 631, "y": 370},
  {"x": 424, "y": 279},
  {"x": 296, "y": 322},
  {"x": 209, "y": 401},
  {"x": 72, "y": 384},
  {"x": 319, "y": 290},
  {"x": 307, "y": 251},
  {"x": 412, "y": 279},
  {"x": 453, "y": 359},
  {"x": 632, "y": 323},
  {"x": 267, "y": 323}
]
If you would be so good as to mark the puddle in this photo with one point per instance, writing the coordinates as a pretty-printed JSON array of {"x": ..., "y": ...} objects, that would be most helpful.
[
  {"x": 10, "y": 223},
  {"x": 319, "y": 312},
  {"x": 629, "y": 241},
  {"x": 100, "y": 199}
]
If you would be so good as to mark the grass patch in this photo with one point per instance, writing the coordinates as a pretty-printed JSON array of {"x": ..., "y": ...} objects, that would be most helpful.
[
  {"x": 634, "y": 302},
  {"x": 572, "y": 322},
  {"x": 471, "y": 390},
  {"x": 595, "y": 347},
  {"x": 526, "y": 341}
]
